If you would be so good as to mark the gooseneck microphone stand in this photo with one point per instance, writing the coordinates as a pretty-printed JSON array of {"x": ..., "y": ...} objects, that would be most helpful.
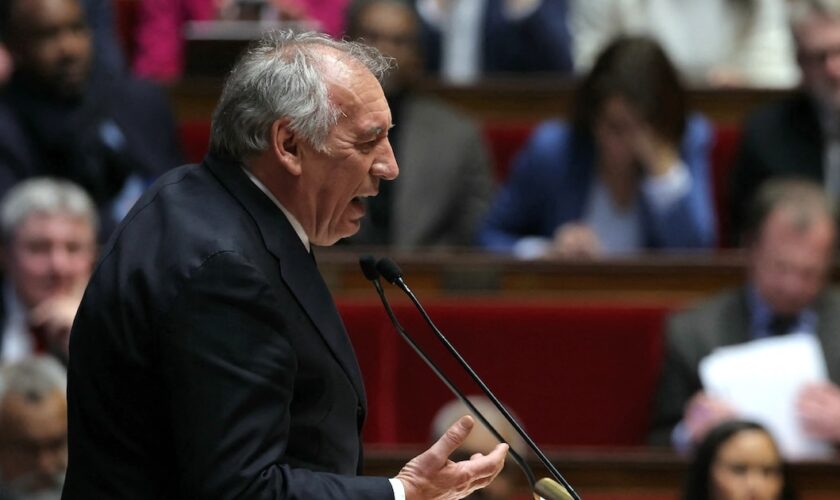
[{"x": 556, "y": 489}]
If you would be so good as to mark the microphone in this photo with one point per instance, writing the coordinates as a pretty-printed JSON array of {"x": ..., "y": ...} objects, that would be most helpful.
[
  {"x": 558, "y": 488},
  {"x": 368, "y": 265}
]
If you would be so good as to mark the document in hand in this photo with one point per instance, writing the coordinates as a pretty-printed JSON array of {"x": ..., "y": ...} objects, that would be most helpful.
[{"x": 762, "y": 379}]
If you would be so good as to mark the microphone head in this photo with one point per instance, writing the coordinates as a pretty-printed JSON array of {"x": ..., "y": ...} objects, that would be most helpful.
[
  {"x": 389, "y": 270},
  {"x": 550, "y": 489},
  {"x": 368, "y": 265}
]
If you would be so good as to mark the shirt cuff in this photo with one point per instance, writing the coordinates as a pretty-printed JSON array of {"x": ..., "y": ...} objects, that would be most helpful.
[
  {"x": 531, "y": 247},
  {"x": 663, "y": 191},
  {"x": 399, "y": 489},
  {"x": 680, "y": 439}
]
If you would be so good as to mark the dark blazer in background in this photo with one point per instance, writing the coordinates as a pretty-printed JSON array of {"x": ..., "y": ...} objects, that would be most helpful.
[
  {"x": 721, "y": 321},
  {"x": 782, "y": 139},
  {"x": 208, "y": 359}
]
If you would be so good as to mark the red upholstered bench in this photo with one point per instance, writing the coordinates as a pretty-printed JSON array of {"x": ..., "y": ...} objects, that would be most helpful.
[{"x": 576, "y": 374}]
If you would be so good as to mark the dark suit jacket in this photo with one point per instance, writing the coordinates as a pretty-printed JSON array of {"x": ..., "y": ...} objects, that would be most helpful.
[
  {"x": 721, "y": 321},
  {"x": 208, "y": 359},
  {"x": 119, "y": 128},
  {"x": 783, "y": 139},
  {"x": 539, "y": 42}
]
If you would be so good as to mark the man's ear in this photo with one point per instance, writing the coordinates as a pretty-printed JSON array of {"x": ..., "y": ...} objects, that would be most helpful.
[{"x": 285, "y": 146}]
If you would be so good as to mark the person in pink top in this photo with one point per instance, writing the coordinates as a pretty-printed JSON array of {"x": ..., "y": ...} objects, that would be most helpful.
[{"x": 159, "y": 52}]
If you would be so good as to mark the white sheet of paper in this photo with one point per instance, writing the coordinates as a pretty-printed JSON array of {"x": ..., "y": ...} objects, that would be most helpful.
[{"x": 761, "y": 380}]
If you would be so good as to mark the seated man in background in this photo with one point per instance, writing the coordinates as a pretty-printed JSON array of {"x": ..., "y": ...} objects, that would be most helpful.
[
  {"x": 631, "y": 172},
  {"x": 49, "y": 247},
  {"x": 33, "y": 429},
  {"x": 58, "y": 118},
  {"x": 480, "y": 440},
  {"x": 791, "y": 237},
  {"x": 798, "y": 134},
  {"x": 445, "y": 183}
]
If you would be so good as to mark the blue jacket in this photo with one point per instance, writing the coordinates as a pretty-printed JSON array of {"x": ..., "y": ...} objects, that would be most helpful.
[{"x": 550, "y": 184}]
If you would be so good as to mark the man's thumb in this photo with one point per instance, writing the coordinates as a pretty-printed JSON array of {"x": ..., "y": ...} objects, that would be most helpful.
[{"x": 454, "y": 436}]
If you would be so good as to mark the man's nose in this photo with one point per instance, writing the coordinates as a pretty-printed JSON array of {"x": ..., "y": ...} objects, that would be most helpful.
[
  {"x": 74, "y": 43},
  {"x": 385, "y": 167},
  {"x": 59, "y": 259}
]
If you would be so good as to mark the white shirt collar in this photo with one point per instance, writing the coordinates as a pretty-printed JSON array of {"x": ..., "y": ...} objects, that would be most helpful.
[
  {"x": 17, "y": 341},
  {"x": 292, "y": 220}
]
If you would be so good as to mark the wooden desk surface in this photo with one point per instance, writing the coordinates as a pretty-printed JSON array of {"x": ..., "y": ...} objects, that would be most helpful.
[
  {"x": 655, "y": 277},
  {"x": 523, "y": 100},
  {"x": 602, "y": 471}
]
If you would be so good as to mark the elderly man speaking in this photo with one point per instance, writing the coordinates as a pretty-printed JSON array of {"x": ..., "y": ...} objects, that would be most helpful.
[{"x": 207, "y": 359}]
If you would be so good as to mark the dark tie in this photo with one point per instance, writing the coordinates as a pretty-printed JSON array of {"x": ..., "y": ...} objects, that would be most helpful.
[{"x": 781, "y": 324}]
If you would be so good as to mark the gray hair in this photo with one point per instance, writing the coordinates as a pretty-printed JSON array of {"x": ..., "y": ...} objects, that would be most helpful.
[
  {"x": 800, "y": 11},
  {"x": 282, "y": 76},
  {"x": 45, "y": 195},
  {"x": 804, "y": 199},
  {"x": 33, "y": 378}
]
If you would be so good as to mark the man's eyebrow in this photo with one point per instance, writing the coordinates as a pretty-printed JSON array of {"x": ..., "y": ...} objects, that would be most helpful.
[{"x": 377, "y": 131}]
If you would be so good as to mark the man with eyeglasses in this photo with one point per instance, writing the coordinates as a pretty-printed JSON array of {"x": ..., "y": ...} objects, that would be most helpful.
[{"x": 798, "y": 135}]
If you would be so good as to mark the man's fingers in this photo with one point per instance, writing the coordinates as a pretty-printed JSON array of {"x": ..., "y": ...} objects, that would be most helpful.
[
  {"x": 487, "y": 465},
  {"x": 453, "y": 437}
]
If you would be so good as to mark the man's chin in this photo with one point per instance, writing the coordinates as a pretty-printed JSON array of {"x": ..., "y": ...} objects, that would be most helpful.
[{"x": 328, "y": 240}]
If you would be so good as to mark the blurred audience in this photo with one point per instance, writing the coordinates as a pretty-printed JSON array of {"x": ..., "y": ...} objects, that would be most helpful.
[
  {"x": 738, "y": 460},
  {"x": 49, "y": 248},
  {"x": 630, "y": 173},
  {"x": 482, "y": 440},
  {"x": 160, "y": 39},
  {"x": 712, "y": 42},
  {"x": 790, "y": 246},
  {"x": 800, "y": 133},
  {"x": 108, "y": 59},
  {"x": 33, "y": 429},
  {"x": 465, "y": 40},
  {"x": 110, "y": 135},
  {"x": 445, "y": 181}
]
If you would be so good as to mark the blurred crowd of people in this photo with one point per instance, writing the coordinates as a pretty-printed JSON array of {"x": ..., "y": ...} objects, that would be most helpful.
[{"x": 85, "y": 128}]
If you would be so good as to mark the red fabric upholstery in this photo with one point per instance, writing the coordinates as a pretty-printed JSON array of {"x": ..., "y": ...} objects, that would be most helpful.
[
  {"x": 727, "y": 138},
  {"x": 504, "y": 141},
  {"x": 125, "y": 18},
  {"x": 195, "y": 139},
  {"x": 577, "y": 375}
]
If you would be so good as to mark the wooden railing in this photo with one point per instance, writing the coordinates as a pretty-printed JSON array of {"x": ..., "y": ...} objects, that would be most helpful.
[
  {"x": 674, "y": 277},
  {"x": 629, "y": 472},
  {"x": 518, "y": 100}
]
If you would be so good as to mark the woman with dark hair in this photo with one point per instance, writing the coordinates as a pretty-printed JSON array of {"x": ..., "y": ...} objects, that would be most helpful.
[
  {"x": 631, "y": 172},
  {"x": 738, "y": 460}
]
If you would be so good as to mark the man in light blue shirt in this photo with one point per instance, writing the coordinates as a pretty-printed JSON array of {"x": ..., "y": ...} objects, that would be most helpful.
[{"x": 790, "y": 248}]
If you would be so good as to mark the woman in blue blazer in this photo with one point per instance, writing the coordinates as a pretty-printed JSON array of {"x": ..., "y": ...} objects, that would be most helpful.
[{"x": 631, "y": 172}]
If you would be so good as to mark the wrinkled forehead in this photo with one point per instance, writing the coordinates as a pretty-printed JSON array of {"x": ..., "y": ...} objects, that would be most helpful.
[{"x": 346, "y": 78}]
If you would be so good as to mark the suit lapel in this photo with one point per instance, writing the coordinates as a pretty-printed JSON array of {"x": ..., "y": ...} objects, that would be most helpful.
[
  {"x": 735, "y": 320},
  {"x": 828, "y": 331},
  {"x": 297, "y": 267}
]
